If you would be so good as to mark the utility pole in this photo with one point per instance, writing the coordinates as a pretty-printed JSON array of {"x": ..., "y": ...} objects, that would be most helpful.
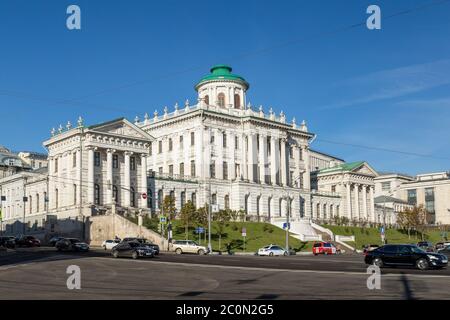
[{"x": 209, "y": 219}]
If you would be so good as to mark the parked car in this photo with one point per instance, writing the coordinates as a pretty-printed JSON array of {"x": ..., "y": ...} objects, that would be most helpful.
[
  {"x": 445, "y": 251},
  {"x": 405, "y": 255},
  {"x": 71, "y": 244},
  {"x": 145, "y": 242},
  {"x": 8, "y": 242},
  {"x": 52, "y": 242},
  {"x": 324, "y": 248},
  {"x": 426, "y": 246},
  {"x": 28, "y": 241},
  {"x": 441, "y": 245},
  {"x": 133, "y": 249},
  {"x": 369, "y": 247},
  {"x": 272, "y": 250},
  {"x": 188, "y": 246},
  {"x": 109, "y": 244}
]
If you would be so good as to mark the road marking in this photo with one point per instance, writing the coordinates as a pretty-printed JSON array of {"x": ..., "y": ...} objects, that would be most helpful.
[{"x": 278, "y": 269}]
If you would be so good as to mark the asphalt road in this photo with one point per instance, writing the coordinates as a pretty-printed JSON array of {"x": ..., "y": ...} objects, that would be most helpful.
[{"x": 40, "y": 273}]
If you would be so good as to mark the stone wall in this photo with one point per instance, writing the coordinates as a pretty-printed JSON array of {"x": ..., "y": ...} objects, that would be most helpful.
[{"x": 100, "y": 228}]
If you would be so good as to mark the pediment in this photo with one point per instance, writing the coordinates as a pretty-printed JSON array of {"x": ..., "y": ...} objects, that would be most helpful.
[
  {"x": 122, "y": 127},
  {"x": 365, "y": 169}
]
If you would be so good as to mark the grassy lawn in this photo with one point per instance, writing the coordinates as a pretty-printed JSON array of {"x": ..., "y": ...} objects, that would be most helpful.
[
  {"x": 372, "y": 235},
  {"x": 258, "y": 235}
]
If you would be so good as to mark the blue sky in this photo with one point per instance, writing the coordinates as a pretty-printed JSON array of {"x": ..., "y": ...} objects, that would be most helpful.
[{"x": 385, "y": 88}]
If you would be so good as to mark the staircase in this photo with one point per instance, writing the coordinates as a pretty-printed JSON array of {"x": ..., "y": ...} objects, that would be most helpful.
[{"x": 300, "y": 228}]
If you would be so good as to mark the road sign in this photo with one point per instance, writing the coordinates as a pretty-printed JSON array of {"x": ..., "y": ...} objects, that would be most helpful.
[
  {"x": 288, "y": 224},
  {"x": 244, "y": 232},
  {"x": 199, "y": 230},
  {"x": 144, "y": 196},
  {"x": 162, "y": 219}
]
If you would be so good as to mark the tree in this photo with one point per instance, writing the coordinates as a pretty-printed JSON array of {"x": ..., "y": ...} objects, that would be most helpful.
[
  {"x": 413, "y": 218},
  {"x": 221, "y": 217},
  {"x": 187, "y": 216},
  {"x": 168, "y": 207}
]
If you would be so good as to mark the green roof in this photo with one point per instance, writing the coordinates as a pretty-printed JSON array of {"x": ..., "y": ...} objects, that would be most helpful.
[
  {"x": 348, "y": 166},
  {"x": 223, "y": 72}
]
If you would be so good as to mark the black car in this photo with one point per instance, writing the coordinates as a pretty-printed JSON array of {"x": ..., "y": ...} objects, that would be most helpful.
[
  {"x": 52, "y": 242},
  {"x": 8, "y": 242},
  {"x": 28, "y": 241},
  {"x": 405, "y": 255},
  {"x": 144, "y": 242},
  {"x": 71, "y": 244},
  {"x": 133, "y": 249}
]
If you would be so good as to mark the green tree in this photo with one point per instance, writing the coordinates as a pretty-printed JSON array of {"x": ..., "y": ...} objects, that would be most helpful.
[
  {"x": 187, "y": 216},
  {"x": 168, "y": 208},
  {"x": 221, "y": 217}
]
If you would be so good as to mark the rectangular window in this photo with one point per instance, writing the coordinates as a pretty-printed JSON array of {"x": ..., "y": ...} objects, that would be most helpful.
[
  {"x": 56, "y": 164},
  {"x": 291, "y": 152},
  {"x": 386, "y": 186},
  {"x": 193, "y": 168},
  {"x": 74, "y": 160},
  {"x": 224, "y": 140},
  {"x": 429, "y": 200},
  {"x": 225, "y": 170},
  {"x": 192, "y": 138},
  {"x": 160, "y": 146},
  {"x": 182, "y": 169},
  {"x": 268, "y": 146},
  {"x": 170, "y": 144},
  {"x": 236, "y": 142},
  {"x": 412, "y": 197},
  {"x": 160, "y": 170},
  {"x": 132, "y": 163},
  {"x": 212, "y": 169},
  {"x": 97, "y": 159},
  {"x": 212, "y": 138},
  {"x": 333, "y": 189},
  {"x": 115, "y": 161},
  {"x": 181, "y": 142},
  {"x": 171, "y": 170},
  {"x": 150, "y": 148}
]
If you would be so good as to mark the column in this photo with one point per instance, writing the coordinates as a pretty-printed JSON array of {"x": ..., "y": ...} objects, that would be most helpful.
[
  {"x": 79, "y": 177},
  {"x": 231, "y": 155},
  {"x": 297, "y": 171},
  {"x": 143, "y": 184},
  {"x": 127, "y": 181},
  {"x": 90, "y": 179},
  {"x": 372, "y": 203},
  {"x": 252, "y": 162},
  {"x": 306, "y": 175},
  {"x": 364, "y": 200},
  {"x": 244, "y": 152},
  {"x": 262, "y": 158},
  {"x": 349, "y": 201},
  {"x": 109, "y": 176},
  {"x": 274, "y": 160},
  {"x": 357, "y": 213},
  {"x": 283, "y": 163}
]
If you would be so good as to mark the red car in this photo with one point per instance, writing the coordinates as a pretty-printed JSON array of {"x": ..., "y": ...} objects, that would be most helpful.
[
  {"x": 28, "y": 241},
  {"x": 324, "y": 248}
]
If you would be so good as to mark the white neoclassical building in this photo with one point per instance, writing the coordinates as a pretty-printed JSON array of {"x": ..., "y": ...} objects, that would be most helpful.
[{"x": 219, "y": 150}]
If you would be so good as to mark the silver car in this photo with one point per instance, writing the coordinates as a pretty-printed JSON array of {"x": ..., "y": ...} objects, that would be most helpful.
[
  {"x": 188, "y": 246},
  {"x": 272, "y": 250}
]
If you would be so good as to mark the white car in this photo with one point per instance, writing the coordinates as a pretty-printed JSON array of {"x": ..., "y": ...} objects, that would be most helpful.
[
  {"x": 272, "y": 250},
  {"x": 188, "y": 246},
  {"x": 109, "y": 244}
]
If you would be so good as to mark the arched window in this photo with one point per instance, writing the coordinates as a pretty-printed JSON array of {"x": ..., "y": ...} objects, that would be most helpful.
[
  {"x": 246, "y": 204},
  {"x": 194, "y": 198},
  {"x": 237, "y": 101},
  {"x": 183, "y": 198},
  {"x": 207, "y": 100},
  {"x": 30, "y": 201},
  {"x": 56, "y": 198},
  {"x": 221, "y": 99},
  {"x": 258, "y": 198},
  {"x": 37, "y": 202},
  {"x": 97, "y": 194},
  {"x": 133, "y": 197},
  {"x": 227, "y": 201},
  {"x": 115, "y": 194}
]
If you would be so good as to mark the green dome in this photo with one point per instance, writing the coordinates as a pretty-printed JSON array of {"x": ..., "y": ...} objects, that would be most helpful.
[{"x": 222, "y": 72}]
